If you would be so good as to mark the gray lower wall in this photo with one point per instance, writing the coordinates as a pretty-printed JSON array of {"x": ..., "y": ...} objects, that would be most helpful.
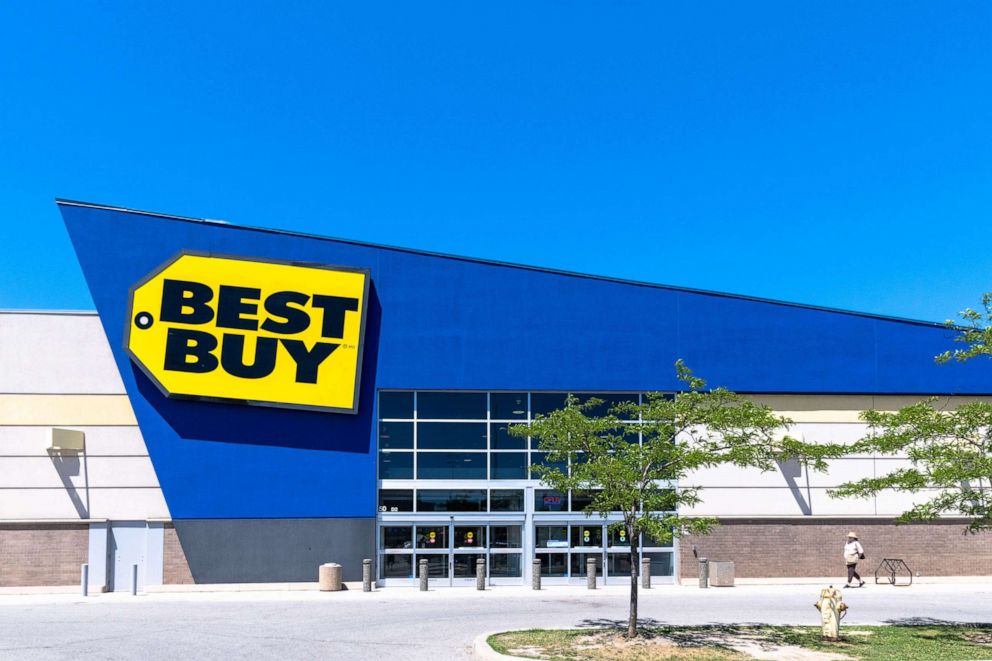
[{"x": 273, "y": 550}]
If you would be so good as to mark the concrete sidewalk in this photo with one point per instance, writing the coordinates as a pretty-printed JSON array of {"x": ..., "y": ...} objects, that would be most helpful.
[{"x": 357, "y": 585}]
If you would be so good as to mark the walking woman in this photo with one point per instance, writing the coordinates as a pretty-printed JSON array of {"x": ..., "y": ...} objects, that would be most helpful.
[{"x": 853, "y": 551}]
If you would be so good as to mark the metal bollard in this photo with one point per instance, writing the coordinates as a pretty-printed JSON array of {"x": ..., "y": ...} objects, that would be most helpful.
[
  {"x": 85, "y": 580},
  {"x": 134, "y": 580},
  {"x": 535, "y": 576},
  {"x": 591, "y": 573},
  {"x": 480, "y": 574},
  {"x": 704, "y": 573},
  {"x": 366, "y": 575},
  {"x": 423, "y": 575},
  {"x": 646, "y": 573}
]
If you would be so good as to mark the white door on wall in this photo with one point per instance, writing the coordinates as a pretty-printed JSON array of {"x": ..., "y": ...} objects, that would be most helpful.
[{"x": 126, "y": 546}]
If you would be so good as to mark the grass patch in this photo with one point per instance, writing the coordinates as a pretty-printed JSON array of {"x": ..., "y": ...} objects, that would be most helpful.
[{"x": 931, "y": 642}]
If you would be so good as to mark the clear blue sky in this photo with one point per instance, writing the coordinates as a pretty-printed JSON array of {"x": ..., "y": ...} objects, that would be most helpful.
[{"x": 836, "y": 154}]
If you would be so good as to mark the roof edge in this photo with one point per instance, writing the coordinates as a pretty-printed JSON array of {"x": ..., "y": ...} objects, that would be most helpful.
[{"x": 493, "y": 262}]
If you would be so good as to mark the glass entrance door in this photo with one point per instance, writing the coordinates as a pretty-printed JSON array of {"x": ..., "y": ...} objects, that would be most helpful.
[
  {"x": 469, "y": 544},
  {"x": 451, "y": 549}
]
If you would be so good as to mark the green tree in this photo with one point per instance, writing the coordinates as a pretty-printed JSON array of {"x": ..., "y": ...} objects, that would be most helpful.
[
  {"x": 950, "y": 451},
  {"x": 976, "y": 332},
  {"x": 638, "y": 469},
  {"x": 949, "y": 455}
]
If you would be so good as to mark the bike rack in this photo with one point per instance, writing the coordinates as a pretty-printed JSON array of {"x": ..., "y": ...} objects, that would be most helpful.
[{"x": 890, "y": 569}]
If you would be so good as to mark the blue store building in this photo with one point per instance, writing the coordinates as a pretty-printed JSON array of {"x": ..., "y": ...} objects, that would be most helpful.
[{"x": 451, "y": 351}]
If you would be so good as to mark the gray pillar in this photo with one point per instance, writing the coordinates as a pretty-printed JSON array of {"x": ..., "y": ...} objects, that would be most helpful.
[
  {"x": 646, "y": 573},
  {"x": 535, "y": 577},
  {"x": 704, "y": 573},
  {"x": 134, "y": 580},
  {"x": 480, "y": 574},
  {"x": 85, "y": 580},
  {"x": 366, "y": 575},
  {"x": 591, "y": 573},
  {"x": 423, "y": 574}
]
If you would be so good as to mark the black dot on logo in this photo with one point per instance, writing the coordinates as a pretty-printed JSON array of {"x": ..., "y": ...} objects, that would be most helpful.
[{"x": 143, "y": 320}]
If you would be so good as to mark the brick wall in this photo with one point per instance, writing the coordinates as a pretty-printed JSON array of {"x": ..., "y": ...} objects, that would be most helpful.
[
  {"x": 42, "y": 554},
  {"x": 772, "y": 548},
  {"x": 175, "y": 569}
]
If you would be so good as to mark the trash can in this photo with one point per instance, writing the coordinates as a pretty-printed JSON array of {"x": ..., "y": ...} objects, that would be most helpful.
[
  {"x": 722, "y": 574},
  {"x": 329, "y": 577}
]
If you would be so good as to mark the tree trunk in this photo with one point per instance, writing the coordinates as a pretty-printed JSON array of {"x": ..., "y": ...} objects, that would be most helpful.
[{"x": 634, "y": 547}]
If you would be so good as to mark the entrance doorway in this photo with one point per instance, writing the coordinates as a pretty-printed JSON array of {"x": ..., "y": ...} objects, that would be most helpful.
[{"x": 451, "y": 549}]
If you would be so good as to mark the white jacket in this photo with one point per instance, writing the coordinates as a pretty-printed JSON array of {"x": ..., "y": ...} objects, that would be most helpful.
[{"x": 853, "y": 551}]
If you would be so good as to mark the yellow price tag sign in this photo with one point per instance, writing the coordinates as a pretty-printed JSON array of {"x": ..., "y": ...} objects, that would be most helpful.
[{"x": 251, "y": 331}]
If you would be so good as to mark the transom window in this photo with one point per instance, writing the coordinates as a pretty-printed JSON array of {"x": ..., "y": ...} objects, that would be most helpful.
[{"x": 439, "y": 435}]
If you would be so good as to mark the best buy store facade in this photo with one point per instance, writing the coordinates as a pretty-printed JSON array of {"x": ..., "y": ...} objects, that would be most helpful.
[{"x": 253, "y": 403}]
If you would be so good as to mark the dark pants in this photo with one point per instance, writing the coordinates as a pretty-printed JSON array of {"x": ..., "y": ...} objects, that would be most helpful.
[{"x": 852, "y": 573}]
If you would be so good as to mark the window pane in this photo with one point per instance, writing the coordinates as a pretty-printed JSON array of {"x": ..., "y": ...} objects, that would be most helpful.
[
  {"x": 395, "y": 465},
  {"x": 470, "y": 537},
  {"x": 396, "y": 405},
  {"x": 395, "y": 435},
  {"x": 437, "y": 565},
  {"x": 619, "y": 564},
  {"x": 506, "y": 500},
  {"x": 583, "y": 535},
  {"x": 451, "y": 466},
  {"x": 551, "y": 537},
  {"x": 508, "y": 405},
  {"x": 542, "y": 459},
  {"x": 397, "y": 566},
  {"x": 504, "y": 565},
  {"x": 553, "y": 564},
  {"x": 619, "y": 538},
  {"x": 546, "y": 402},
  {"x": 396, "y": 537},
  {"x": 508, "y": 466},
  {"x": 581, "y": 500},
  {"x": 546, "y": 500},
  {"x": 650, "y": 542},
  {"x": 432, "y": 537},
  {"x": 464, "y": 564},
  {"x": 451, "y": 436},
  {"x": 451, "y": 500},
  {"x": 396, "y": 500},
  {"x": 661, "y": 563},
  {"x": 609, "y": 400},
  {"x": 500, "y": 439},
  {"x": 505, "y": 537},
  {"x": 451, "y": 405},
  {"x": 579, "y": 563}
]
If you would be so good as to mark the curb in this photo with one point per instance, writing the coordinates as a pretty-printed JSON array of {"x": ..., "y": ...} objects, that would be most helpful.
[{"x": 482, "y": 650}]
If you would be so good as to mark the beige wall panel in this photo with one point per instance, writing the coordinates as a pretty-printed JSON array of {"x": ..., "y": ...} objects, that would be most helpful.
[
  {"x": 896, "y": 402},
  {"x": 845, "y": 408},
  {"x": 60, "y": 503},
  {"x": 838, "y": 432},
  {"x": 744, "y": 502},
  {"x": 778, "y": 502},
  {"x": 894, "y": 503},
  {"x": 128, "y": 504},
  {"x": 787, "y": 474},
  {"x": 824, "y": 505},
  {"x": 100, "y": 441},
  {"x": 76, "y": 470},
  {"x": 42, "y": 504},
  {"x": 56, "y": 353},
  {"x": 65, "y": 410}
]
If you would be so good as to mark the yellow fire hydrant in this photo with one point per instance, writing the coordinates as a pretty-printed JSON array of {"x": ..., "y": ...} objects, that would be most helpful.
[{"x": 832, "y": 610}]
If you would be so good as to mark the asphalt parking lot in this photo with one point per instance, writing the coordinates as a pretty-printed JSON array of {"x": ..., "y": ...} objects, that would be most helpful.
[{"x": 402, "y": 623}]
